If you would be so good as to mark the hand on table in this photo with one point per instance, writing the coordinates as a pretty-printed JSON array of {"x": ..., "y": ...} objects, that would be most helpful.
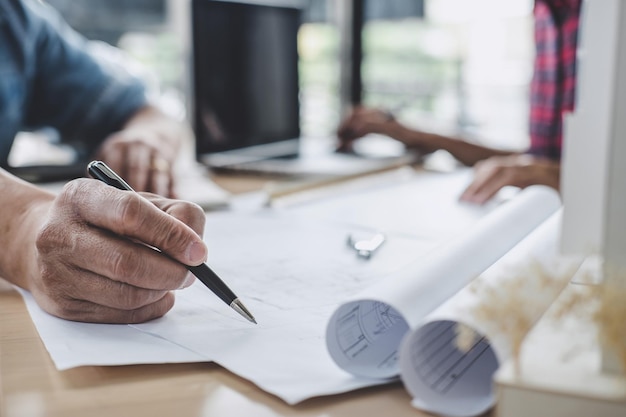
[
  {"x": 140, "y": 157},
  {"x": 518, "y": 170},
  {"x": 363, "y": 121},
  {"x": 145, "y": 149}
]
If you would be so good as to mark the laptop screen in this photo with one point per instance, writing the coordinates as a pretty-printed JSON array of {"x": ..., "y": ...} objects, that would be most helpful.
[{"x": 245, "y": 72}]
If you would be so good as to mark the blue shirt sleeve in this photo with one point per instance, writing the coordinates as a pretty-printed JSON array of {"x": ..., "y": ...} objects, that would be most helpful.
[{"x": 78, "y": 92}]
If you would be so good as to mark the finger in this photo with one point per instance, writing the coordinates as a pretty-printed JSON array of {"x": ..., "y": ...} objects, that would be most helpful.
[
  {"x": 171, "y": 191},
  {"x": 483, "y": 188},
  {"x": 345, "y": 147},
  {"x": 189, "y": 213},
  {"x": 159, "y": 182},
  {"x": 137, "y": 169},
  {"x": 115, "y": 159},
  {"x": 131, "y": 215},
  {"x": 91, "y": 250},
  {"x": 101, "y": 290},
  {"x": 345, "y": 132},
  {"x": 123, "y": 261},
  {"x": 86, "y": 311}
]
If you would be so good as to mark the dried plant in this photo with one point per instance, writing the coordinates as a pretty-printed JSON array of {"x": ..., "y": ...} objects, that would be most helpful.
[
  {"x": 511, "y": 305},
  {"x": 610, "y": 318},
  {"x": 465, "y": 337},
  {"x": 601, "y": 304}
]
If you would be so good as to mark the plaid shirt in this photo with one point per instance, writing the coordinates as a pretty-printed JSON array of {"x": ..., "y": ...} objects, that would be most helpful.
[{"x": 554, "y": 79}]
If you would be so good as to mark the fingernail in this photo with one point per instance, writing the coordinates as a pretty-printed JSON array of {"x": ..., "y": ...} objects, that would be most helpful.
[{"x": 196, "y": 253}]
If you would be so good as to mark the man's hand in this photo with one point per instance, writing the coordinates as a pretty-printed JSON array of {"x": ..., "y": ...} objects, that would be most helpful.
[
  {"x": 518, "y": 170},
  {"x": 144, "y": 151},
  {"x": 92, "y": 257},
  {"x": 140, "y": 158}
]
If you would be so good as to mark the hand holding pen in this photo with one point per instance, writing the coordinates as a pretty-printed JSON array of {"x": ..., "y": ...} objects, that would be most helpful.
[
  {"x": 92, "y": 258},
  {"x": 99, "y": 170}
]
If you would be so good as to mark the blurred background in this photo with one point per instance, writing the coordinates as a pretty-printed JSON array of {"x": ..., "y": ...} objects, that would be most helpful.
[{"x": 453, "y": 65}]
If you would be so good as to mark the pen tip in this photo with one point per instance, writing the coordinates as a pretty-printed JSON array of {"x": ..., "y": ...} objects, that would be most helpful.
[{"x": 241, "y": 309}]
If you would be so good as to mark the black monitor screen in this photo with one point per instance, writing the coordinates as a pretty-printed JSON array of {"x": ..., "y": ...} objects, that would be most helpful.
[{"x": 245, "y": 74}]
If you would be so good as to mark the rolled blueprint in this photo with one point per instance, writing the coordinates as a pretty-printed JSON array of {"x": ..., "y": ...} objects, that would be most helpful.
[{"x": 364, "y": 333}]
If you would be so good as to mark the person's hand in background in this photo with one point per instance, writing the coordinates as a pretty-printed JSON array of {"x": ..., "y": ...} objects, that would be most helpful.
[
  {"x": 520, "y": 170},
  {"x": 362, "y": 121},
  {"x": 145, "y": 150}
]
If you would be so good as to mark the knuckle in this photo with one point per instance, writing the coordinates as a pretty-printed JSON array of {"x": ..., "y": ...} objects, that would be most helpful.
[
  {"x": 190, "y": 214},
  {"x": 175, "y": 237},
  {"x": 72, "y": 193},
  {"x": 496, "y": 171},
  {"x": 47, "y": 238},
  {"x": 46, "y": 289},
  {"x": 130, "y": 209},
  {"x": 54, "y": 232},
  {"x": 65, "y": 308},
  {"x": 54, "y": 238},
  {"x": 152, "y": 311},
  {"x": 481, "y": 165},
  {"x": 192, "y": 211},
  {"x": 132, "y": 298},
  {"x": 73, "y": 188},
  {"x": 124, "y": 265}
]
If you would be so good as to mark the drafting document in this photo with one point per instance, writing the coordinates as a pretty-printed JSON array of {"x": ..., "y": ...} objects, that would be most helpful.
[
  {"x": 503, "y": 304},
  {"x": 292, "y": 270},
  {"x": 364, "y": 334}
]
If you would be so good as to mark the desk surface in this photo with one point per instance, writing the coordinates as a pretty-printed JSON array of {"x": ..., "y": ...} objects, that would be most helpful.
[{"x": 31, "y": 386}]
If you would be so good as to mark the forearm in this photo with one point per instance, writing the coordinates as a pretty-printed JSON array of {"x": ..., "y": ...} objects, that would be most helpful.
[
  {"x": 21, "y": 216},
  {"x": 465, "y": 152}
]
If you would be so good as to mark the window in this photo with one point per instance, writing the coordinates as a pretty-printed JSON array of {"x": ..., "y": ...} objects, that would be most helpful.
[{"x": 462, "y": 67}]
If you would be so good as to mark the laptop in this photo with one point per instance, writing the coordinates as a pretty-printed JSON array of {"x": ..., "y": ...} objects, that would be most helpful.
[{"x": 246, "y": 96}]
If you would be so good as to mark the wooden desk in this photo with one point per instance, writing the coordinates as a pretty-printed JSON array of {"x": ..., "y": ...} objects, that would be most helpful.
[{"x": 30, "y": 385}]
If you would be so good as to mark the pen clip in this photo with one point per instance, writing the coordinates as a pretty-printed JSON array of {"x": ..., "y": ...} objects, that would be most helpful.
[{"x": 99, "y": 170}]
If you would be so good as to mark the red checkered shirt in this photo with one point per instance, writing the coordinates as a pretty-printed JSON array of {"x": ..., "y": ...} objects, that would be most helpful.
[{"x": 554, "y": 78}]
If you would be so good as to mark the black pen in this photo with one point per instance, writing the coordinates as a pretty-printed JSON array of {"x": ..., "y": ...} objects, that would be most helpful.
[{"x": 100, "y": 171}]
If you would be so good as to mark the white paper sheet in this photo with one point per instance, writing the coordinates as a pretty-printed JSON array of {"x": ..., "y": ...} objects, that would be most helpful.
[
  {"x": 289, "y": 272},
  {"x": 423, "y": 204},
  {"x": 292, "y": 269},
  {"x": 73, "y": 344}
]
